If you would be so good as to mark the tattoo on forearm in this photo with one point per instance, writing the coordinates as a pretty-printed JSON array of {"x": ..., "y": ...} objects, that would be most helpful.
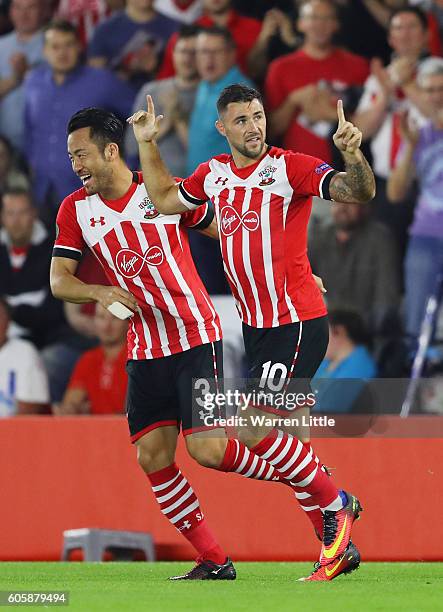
[{"x": 357, "y": 184}]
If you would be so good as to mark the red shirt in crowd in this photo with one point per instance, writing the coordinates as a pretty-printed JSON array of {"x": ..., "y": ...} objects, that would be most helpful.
[
  {"x": 339, "y": 70},
  {"x": 103, "y": 380},
  {"x": 244, "y": 30}
]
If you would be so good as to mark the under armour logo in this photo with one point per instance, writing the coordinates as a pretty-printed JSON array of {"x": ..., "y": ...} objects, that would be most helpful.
[
  {"x": 221, "y": 180},
  {"x": 186, "y": 525},
  {"x": 231, "y": 220},
  {"x": 95, "y": 221},
  {"x": 130, "y": 263}
]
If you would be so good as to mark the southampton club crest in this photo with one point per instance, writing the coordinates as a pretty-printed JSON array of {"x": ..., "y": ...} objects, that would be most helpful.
[
  {"x": 148, "y": 207},
  {"x": 267, "y": 176}
]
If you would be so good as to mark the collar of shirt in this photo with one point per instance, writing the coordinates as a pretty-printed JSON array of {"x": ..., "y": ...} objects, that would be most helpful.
[{"x": 71, "y": 76}]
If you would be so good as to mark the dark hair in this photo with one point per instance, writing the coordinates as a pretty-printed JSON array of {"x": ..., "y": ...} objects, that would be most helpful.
[
  {"x": 216, "y": 30},
  {"x": 17, "y": 191},
  {"x": 61, "y": 25},
  {"x": 237, "y": 93},
  {"x": 353, "y": 324},
  {"x": 188, "y": 30},
  {"x": 415, "y": 10},
  {"x": 104, "y": 126}
]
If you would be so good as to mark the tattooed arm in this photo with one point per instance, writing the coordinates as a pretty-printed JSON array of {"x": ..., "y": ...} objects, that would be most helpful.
[{"x": 357, "y": 184}]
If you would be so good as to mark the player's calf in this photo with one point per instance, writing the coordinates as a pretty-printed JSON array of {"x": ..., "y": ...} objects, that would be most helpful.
[
  {"x": 207, "y": 448},
  {"x": 156, "y": 449}
]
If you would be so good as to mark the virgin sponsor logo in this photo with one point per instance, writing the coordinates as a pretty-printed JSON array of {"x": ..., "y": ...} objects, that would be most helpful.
[
  {"x": 130, "y": 263},
  {"x": 231, "y": 220}
]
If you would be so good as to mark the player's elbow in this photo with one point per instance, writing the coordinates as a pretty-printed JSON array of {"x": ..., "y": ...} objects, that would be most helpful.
[
  {"x": 366, "y": 193},
  {"x": 56, "y": 284},
  {"x": 54, "y": 287},
  {"x": 370, "y": 195},
  {"x": 168, "y": 203}
]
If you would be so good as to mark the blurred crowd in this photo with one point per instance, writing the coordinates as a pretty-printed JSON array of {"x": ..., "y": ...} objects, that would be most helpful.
[{"x": 379, "y": 262}]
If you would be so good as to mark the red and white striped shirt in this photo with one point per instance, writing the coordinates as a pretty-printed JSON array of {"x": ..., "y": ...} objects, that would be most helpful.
[
  {"x": 262, "y": 212},
  {"x": 148, "y": 254},
  {"x": 84, "y": 14}
]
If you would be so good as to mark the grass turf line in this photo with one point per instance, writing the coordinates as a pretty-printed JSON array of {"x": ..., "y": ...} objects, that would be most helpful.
[{"x": 131, "y": 587}]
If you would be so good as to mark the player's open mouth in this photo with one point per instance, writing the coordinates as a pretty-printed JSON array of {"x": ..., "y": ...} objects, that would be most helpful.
[
  {"x": 254, "y": 139},
  {"x": 85, "y": 179}
]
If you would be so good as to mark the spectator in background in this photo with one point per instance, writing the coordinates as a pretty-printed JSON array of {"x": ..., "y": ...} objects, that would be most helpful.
[
  {"x": 174, "y": 98},
  {"x": 387, "y": 93},
  {"x": 5, "y": 22},
  {"x": 53, "y": 92},
  {"x": 302, "y": 88},
  {"x": 10, "y": 174},
  {"x": 421, "y": 156},
  {"x": 215, "y": 55},
  {"x": 277, "y": 37},
  {"x": 357, "y": 260},
  {"x": 219, "y": 13},
  {"x": 98, "y": 383},
  {"x": 19, "y": 50},
  {"x": 347, "y": 360},
  {"x": 366, "y": 24},
  {"x": 184, "y": 11},
  {"x": 23, "y": 381},
  {"x": 86, "y": 15},
  {"x": 131, "y": 42},
  {"x": 25, "y": 255}
]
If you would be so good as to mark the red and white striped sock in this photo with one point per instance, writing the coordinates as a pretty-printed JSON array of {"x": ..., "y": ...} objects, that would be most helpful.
[
  {"x": 311, "y": 509},
  {"x": 180, "y": 505},
  {"x": 239, "y": 459},
  {"x": 296, "y": 464}
]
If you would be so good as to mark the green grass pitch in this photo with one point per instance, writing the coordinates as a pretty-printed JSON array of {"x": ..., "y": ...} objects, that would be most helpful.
[{"x": 263, "y": 587}]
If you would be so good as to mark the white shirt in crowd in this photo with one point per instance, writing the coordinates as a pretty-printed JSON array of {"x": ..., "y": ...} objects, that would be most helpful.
[
  {"x": 22, "y": 376},
  {"x": 385, "y": 142},
  {"x": 186, "y": 12}
]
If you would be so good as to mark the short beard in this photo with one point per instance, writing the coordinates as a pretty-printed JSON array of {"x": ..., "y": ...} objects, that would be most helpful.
[{"x": 244, "y": 151}]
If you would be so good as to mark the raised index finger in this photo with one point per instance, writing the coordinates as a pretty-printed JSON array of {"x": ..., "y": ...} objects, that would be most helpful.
[
  {"x": 340, "y": 112},
  {"x": 150, "y": 105}
]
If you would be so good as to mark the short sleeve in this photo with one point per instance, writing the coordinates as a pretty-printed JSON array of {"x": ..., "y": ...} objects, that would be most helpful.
[
  {"x": 32, "y": 380},
  {"x": 69, "y": 240},
  {"x": 309, "y": 176},
  {"x": 199, "y": 218},
  {"x": 191, "y": 191}
]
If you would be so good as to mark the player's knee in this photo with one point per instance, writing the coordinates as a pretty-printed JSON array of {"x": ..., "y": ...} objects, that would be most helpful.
[
  {"x": 151, "y": 461},
  {"x": 208, "y": 453},
  {"x": 246, "y": 436}
]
